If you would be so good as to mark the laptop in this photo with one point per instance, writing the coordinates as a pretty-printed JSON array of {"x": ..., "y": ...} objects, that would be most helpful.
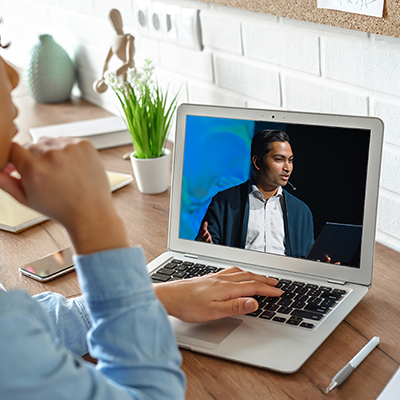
[{"x": 335, "y": 174}]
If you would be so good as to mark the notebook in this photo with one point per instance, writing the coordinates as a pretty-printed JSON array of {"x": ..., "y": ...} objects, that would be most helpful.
[
  {"x": 102, "y": 132},
  {"x": 335, "y": 175},
  {"x": 15, "y": 217}
]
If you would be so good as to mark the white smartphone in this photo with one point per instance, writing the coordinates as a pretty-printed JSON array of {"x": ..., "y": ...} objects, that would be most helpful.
[{"x": 50, "y": 267}]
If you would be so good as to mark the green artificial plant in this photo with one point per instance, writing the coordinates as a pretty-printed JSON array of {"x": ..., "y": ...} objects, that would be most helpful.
[{"x": 147, "y": 113}]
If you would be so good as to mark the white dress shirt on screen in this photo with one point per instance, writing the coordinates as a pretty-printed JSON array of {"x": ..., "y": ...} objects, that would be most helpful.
[{"x": 266, "y": 230}]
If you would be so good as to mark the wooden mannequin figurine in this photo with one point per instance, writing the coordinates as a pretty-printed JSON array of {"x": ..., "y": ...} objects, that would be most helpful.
[{"x": 123, "y": 47}]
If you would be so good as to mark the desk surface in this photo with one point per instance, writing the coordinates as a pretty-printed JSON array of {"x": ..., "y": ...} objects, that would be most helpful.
[{"x": 209, "y": 378}]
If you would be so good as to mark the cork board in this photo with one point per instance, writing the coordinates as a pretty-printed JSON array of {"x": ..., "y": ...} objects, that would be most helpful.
[{"x": 306, "y": 10}]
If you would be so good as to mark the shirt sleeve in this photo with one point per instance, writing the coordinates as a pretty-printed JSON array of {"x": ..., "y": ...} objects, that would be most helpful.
[
  {"x": 130, "y": 336},
  {"x": 70, "y": 318}
]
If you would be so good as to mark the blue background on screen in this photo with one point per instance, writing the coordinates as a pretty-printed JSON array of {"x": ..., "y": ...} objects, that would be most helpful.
[{"x": 216, "y": 157}]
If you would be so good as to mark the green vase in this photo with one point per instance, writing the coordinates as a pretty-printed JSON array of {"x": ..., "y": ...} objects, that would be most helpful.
[{"x": 50, "y": 73}]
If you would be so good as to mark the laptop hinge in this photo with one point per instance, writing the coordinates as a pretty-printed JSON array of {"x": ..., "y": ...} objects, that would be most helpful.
[
  {"x": 190, "y": 256},
  {"x": 337, "y": 282}
]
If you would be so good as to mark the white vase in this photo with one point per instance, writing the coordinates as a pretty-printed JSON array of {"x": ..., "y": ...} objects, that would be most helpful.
[{"x": 152, "y": 174}]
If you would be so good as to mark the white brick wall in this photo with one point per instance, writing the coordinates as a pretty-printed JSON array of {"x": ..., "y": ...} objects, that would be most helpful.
[
  {"x": 308, "y": 93},
  {"x": 249, "y": 59},
  {"x": 206, "y": 93},
  {"x": 191, "y": 63},
  {"x": 250, "y": 78},
  {"x": 221, "y": 32},
  {"x": 282, "y": 44}
]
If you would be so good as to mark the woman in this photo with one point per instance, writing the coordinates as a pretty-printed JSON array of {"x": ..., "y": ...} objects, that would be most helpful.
[{"x": 126, "y": 325}]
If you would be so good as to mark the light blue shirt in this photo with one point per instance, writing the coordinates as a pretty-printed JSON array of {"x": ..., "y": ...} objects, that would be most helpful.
[{"x": 120, "y": 321}]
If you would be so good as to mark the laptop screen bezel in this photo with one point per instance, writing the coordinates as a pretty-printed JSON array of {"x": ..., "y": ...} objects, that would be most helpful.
[{"x": 236, "y": 256}]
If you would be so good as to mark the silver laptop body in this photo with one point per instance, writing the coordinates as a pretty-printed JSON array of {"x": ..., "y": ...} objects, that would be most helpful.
[{"x": 337, "y": 143}]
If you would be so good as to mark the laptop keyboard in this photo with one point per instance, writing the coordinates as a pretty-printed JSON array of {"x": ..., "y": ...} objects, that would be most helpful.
[
  {"x": 177, "y": 269},
  {"x": 302, "y": 304}
]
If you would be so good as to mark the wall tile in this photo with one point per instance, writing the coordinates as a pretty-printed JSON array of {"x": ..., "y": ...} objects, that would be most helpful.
[
  {"x": 252, "y": 103},
  {"x": 203, "y": 93},
  {"x": 362, "y": 62},
  {"x": 388, "y": 240},
  {"x": 305, "y": 93},
  {"x": 80, "y": 6},
  {"x": 64, "y": 22},
  {"x": 389, "y": 111},
  {"x": 221, "y": 32},
  {"x": 388, "y": 221},
  {"x": 90, "y": 57},
  {"x": 147, "y": 48},
  {"x": 390, "y": 166},
  {"x": 50, "y": 2},
  {"x": 289, "y": 46},
  {"x": 95, "y": 30},
  {"x": 252, "y": 79},
  {"x": 106, "y": 100},
  {"x": 125, "y": 7},
  {"x": 174, "y": 83},
  {"x": 188, "y": 62},
  {"x": 23, "y": 10}
]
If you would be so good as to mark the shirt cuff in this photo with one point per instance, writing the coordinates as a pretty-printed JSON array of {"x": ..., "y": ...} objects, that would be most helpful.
[{"x": 114, "y": 278}]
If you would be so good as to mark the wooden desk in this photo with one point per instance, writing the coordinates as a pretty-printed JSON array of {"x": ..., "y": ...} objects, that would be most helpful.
[{"x": 210, "y": 378}]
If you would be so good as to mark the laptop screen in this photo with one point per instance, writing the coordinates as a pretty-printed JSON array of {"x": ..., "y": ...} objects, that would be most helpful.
[{"x": 318, "y": 210}]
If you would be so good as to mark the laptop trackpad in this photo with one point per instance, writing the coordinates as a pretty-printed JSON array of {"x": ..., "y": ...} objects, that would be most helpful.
[{"x": 208, "y": 334}]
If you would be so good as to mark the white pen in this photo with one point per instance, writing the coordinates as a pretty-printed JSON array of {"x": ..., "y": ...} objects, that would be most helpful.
[{"x": 346, "y": 371}]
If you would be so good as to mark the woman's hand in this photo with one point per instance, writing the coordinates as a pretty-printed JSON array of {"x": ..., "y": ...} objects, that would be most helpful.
[
  {"x": 65, "y": 180},
  {"x": 214, "y": 296}
]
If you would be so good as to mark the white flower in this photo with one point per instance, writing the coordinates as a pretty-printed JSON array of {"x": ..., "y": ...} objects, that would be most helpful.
[
  {"x": 148, "y": 67},
  {"x": 121, "y": 84},
  {"x": 114, "y": 81},
  {"x": 132, "y": 76},
  {"x": 110, "y": 78}
]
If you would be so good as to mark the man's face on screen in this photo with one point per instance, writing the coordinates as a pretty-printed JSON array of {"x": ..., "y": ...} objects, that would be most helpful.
[{"x": 277, "y": 166}]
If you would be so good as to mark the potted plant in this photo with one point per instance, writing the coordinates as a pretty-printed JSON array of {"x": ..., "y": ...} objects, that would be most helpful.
[{"x": 148, "y": 117}]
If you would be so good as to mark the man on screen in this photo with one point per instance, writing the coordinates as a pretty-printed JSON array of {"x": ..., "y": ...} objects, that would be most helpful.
[{"x": 259, "y": 214}]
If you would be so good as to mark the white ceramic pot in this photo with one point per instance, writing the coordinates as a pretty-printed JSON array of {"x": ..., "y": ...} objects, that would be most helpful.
[{"x": 152, "y": 174}]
